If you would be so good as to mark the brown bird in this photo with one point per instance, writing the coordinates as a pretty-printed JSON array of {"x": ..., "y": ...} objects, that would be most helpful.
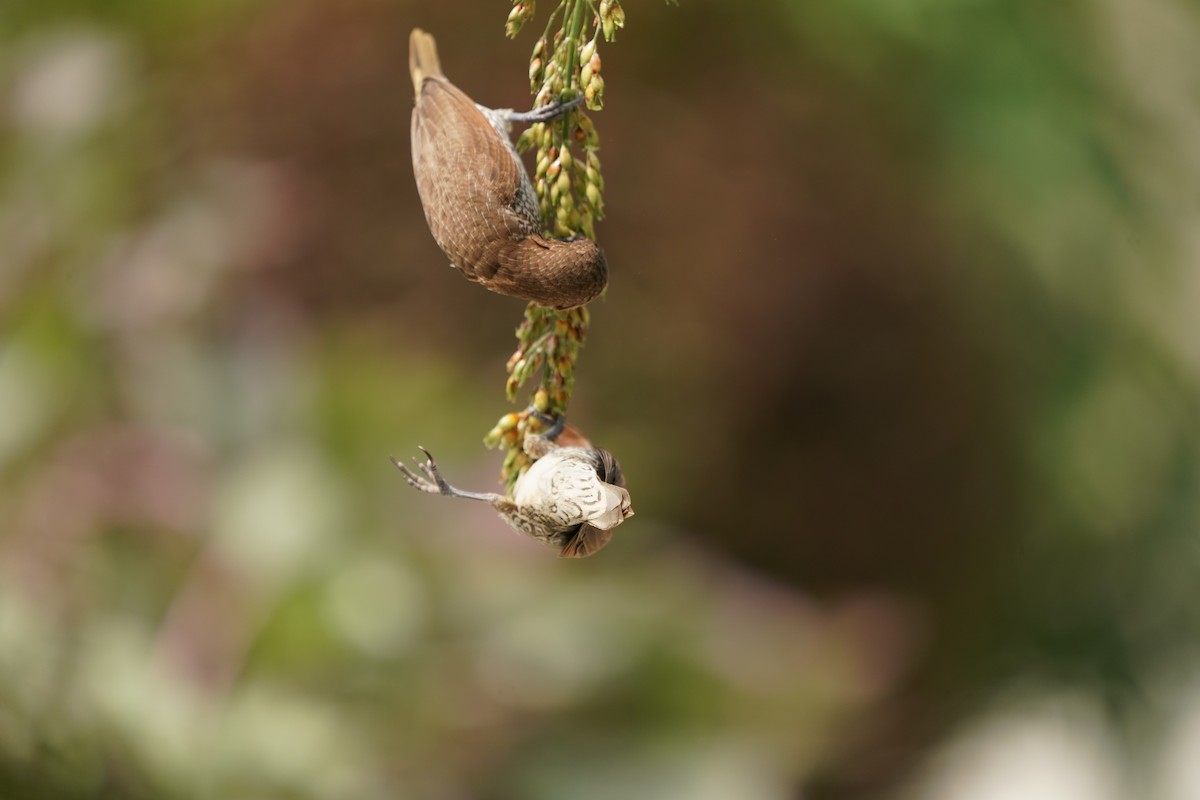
[
  {"x": 478, "y": 200},
  {"x": 570, "y": 498}
]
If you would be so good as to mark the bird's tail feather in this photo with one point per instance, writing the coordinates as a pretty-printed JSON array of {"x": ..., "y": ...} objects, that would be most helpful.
[{"x": 422, "y": 58}]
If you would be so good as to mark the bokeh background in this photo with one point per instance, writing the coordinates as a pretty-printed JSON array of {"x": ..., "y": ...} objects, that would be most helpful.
[{"x": 900, "y": 355}]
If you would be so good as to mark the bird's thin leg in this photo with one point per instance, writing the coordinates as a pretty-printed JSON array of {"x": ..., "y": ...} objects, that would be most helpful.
[
  {"x": 541, "y": 114},
  {"x": 430, "y": 480}
]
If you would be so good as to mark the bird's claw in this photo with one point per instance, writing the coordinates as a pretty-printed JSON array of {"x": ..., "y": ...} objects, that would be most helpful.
[
  {"x": 541, "y": 416},
  {"x": 545, "y": 113},
  {"x": 430, "y": 478},
  {"x": 554, "y": 425}
]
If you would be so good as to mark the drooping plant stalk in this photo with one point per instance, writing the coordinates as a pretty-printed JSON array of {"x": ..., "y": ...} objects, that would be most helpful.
[{"x": 569, "y": 188}]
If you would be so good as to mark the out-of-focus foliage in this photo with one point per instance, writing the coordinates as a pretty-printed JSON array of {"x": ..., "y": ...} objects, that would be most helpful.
[{"x": 899, "y": 355}]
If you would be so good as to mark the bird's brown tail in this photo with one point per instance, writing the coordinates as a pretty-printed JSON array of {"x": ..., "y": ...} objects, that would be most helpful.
[{"x": 423, "y": 58}]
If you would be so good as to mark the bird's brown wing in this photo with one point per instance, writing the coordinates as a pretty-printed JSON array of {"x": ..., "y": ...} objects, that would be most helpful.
[
  {"x": 584, "y": 541},
  {"x": 608, "y": 469},
  {"x": 467, "y": 177}
]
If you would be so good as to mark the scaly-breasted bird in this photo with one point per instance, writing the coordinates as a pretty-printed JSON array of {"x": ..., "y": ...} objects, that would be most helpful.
[
  {"x": 570, "y": 498},
  {"x": 479, "y": 202}
]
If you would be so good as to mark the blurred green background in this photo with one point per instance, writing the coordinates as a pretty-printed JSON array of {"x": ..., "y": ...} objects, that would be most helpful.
[{"x": 900, "y": 355}]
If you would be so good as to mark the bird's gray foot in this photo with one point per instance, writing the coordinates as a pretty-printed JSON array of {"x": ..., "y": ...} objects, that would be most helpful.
[
  {"x": 539, "y": 444},
  {"x": 542, "y": 113},
  {"x": 428, "y": 478},
  {"x": 554, "y": 425}
]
